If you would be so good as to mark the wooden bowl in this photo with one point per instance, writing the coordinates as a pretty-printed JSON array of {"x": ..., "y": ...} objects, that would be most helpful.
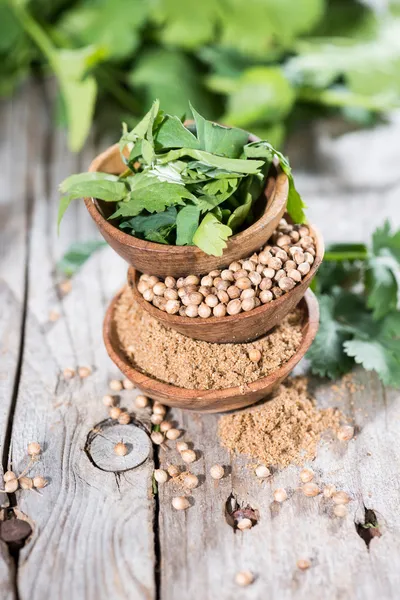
[
  {"x": 163, "y": 260},
  {"x": 244, "y": 327},
  {"x": 210, "y": 400}
]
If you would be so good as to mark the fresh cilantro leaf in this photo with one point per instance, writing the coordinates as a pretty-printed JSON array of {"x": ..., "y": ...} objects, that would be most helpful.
[
  {"x": 211, "y": 235},
  {"x": 225, "y": 141},
  {"x": 154, "y": 197},
  {"x": 186, "y": 224},
  {"x": 76, "y": 255},
  {"x": 240, "y": 214},
  {"x": 143, "y": 130},
  {"x": 146, "y": 223},
  {"x": 161, "y": 236},
  {"x": 173, "y": 134},
  {"x": 220, "y": 162}
]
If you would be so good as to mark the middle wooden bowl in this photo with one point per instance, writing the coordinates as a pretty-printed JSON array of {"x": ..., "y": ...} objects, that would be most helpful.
[{"x": 244, "y": 327}]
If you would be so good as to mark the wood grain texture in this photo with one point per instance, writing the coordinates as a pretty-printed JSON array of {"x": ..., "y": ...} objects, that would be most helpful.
[
  {"x": 211, "y": 400},
  {"x": 88, "y": 523},
  {"x": 162, "y": 260},
  {"x": 202, "y": 553},
  {"x": 244, "y": 327}
]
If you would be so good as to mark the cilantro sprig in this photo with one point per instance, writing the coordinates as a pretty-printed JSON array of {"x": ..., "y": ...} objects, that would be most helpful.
[
  {"x": 359, "y": 296},
  {"x": 194, "y": 185}
]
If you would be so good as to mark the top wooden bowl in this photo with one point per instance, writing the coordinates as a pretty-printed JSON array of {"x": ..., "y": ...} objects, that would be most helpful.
[
  {"x": 163, "y": 260},
  {"x": 210, "y": 400},
  {"x": 245, "y": 326}
]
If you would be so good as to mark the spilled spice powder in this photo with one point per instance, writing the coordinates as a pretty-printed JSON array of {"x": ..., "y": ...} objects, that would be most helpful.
[
  {"x": 282, "y": 431},
  {"x": 174, "y": 358}
]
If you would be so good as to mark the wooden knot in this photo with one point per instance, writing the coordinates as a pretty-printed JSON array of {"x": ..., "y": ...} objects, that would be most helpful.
[{"x": 103, "y": 438}]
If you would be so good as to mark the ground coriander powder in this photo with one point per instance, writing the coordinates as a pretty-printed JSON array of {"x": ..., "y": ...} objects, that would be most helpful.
[
  {"x": 281, "y": 431},
  {"x": 193, "y": 364}
]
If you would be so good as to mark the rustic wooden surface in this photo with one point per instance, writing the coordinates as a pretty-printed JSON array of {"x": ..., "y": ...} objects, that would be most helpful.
[{"x": 98, "y": 531}]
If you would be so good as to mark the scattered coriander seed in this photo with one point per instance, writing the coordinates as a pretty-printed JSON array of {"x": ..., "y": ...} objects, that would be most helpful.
[
  {"x": 141, "y": 401},
  {"x": 34, "y": 449},
  {"x": 157, "y": 437},
  {"x": 173, "y": 434},
  {"x": 173, "y": 471},
  {"x": 108, "y": 400},
  {"x": 340, "y": 510},
  {"x": 190, "y": 481},
  {"x": 217, "y": 471},
  {"x": 120, "y": 449},
  {"x": 244, "y": 524},
  {"x": 159, "y": 409},
  {"x": 68, "y": 373},
  {"x": 65, "y": 287},
  {"x": 114, "y": 412},
  {"x": 262, "y": 472},
  {"x": 329, "y": 491},
  {"x": 160, "y": 476},
  {"x": 181, "y": 446},
  {"x": 115, "y": 385},
  {"x": 341, "y": 498},
  {"x": 124, "y": 418},
  {"x": 156, "y": 419},
  {"x": 244, "y": 578},
  {"x": 180, "y": 503},
  {"x": 11, "y": 486},
  {"x": 306, "y": 475},
  {"x": 84, "y": 372},
  {"x": 310, "y": 490},
  {"x": 165, "y": 426},
  {"x": 39, "y": 482},
  {"x": 303, "y": 564},
  {"x": 255, "y": 355},
  {"x": 26, "y": 483},
  {"x": 127, "y": 384},
  {"x": 280, "y": 495},
  {"x": 54, "y": 316},
  {"x": 345, "y": 433},
  {"x": 188, "y": 456},
  {"x": 9, "y": 476}
]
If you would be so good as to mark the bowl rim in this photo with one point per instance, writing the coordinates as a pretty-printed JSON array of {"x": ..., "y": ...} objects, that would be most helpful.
[
  {"x": 309, "y": 330},
  {"x": 229, "y": 319},
  {"x": 281, "y": 189}
]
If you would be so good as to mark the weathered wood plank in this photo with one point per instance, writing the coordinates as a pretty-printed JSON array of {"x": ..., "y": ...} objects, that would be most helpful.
[
  {"x": 201, "y": 553},
  {"x": 93, "y": 533}
]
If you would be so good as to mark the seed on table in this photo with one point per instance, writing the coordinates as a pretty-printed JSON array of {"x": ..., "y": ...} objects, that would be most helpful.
[
  {"x": 188, "y": 456},
  {"x": 227, "y": 275},
  {"x": 180, "y": 503},
  {"x": 215, "y": 273},
  {"x": 266, "y": 296},
  {"x": 310, "y": 490},
  {"x": 234, "y": 307},
  {"x": 275, "y": 263},
  {"x": 115, "y": 385},
  {"x": 244, "y": 524},
  {"x": 279, "y": 274},
  {"x": 341, "y": 498},
  {"x": 255, "y": 277},
  {"x": 254, "y": 355},
  {"x": 283, "y": 240},
  {"x": 306, "y": 475},
  {"x": 243, "y": 283},
  {"x": 277, "y": 292},
  {"x": 34, "y": 449},
  {"x": 173, "y": 471},
  {"x": 308, "y": 257},
  {"x": 262, "y": 472},
  {"x": 181, "y": 446},
  {"x": 217, "y": 471},
  {"x": 303, "y": 564},
  {"x": 192, "y": 311},
  {"x": 114, "y": 412},
  {"x": 223, "y": 296},
  {"x": 286, "y": 284},
  {"x": 171, "y": 294},
  {"x": 11, "y": 486},
  {"x": 345, "y": 433},
  {"x": 235, "y": 266},
  {"x": 141, "y": 401},
  {"x": 108, "y": 400},
  {"x": 26, "y": 483},
  {"x": 158, "y": 408},
  {"x": 211, "y": 300},
  {"x": 9, "y": 476},
  {"x": 219, "y": 310},
  {"x": 124, "y": 418},
  {"x": 65, "y": 287},
  {"x": 190, "y": 481},
  {"x": 120, "y": 449},
  {"x": 233, "y": 292},
  {"x": 159, "y": 288},
  {"x": 280, "y": 495},
  {"x": 192, "y": 280},
  {"x": 172, "y": 307},
  {"x": 248, "y": 304},
  {"x": 157, "y": 437},
  {"x": 239, "y": 274},
  {"x": 249, "y": 293},
  {"x": 165, "y": 426},
  {"x": 257, "y": 302},
  {"x": 295, "y": 275},
  {"x": 160, "y": 476},
  {"x": 68, "y": 373},
  {"x": 264, "y": 257},
  {"x": 244, "y": 578},
  {"x": 204, "y": 311},
  {"x": 340, "y": 510},
  {"x": 173, "y": 434},
  {"x": 249, "y": 265},
  {"x": 127, "y": 384},
  {"x": 304, "y": 268},
  {"x": 84, "y": 372},
  {"x": 329, "y": 491}
]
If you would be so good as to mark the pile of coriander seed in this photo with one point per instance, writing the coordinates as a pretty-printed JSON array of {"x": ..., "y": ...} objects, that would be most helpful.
[{"x": 244, "y": 285}]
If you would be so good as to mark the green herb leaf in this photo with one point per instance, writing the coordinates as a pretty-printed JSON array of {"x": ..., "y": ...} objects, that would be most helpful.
[
  {"x": 211, "y": 235},
  {"x": 186, "y": 225},
  {"x": 146, "y": 223},
  {"x": 229, "y": 164},
  {"x": 225, "y": 141},
  {"x": 240, "y": 213},
  {"x": 173, "y": 134},
  {"x": 76, "y": 255},
  {"x": 154, "y": 197}
]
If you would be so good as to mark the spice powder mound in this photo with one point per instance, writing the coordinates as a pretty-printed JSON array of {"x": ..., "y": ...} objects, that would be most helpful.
[
  {"x": 283, "y": 431},
  {"x": 174, "y": 358}
]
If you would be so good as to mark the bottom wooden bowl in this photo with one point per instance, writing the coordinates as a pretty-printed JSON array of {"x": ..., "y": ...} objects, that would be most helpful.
[{"x": 210, "y": 400}]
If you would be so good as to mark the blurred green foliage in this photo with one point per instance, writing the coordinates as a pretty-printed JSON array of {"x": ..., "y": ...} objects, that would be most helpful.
[{"x": 251, "y": 64}]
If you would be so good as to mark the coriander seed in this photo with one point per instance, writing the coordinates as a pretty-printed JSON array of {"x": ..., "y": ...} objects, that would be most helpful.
[
  {"x": 170, "y": 282},
  {"x": 165, "y": 426},
  {"x": 303, "y": 564},
  {"x": 148, "y": 295},
  {"x": 172, "y": 307},
  {"x": 329, "y": 491},
  {"x": 157, "y": 437},
  {"x": 160, "y": 476},
  {"x": 255, "y": 355},
  {"x": 141, "y": 401},
  {"x": 341, "y": 498},
  {"x": 173, "y": 471},
  {"x": 211, "y": 300},
  {"x": 39, "y": 482},
  {"x": 190, "y": 481},
  {"x": 191, "y": 311},
  {"x": 340, "y": 510},
  {"x": 159, "y": 409},
  {"x": 34, "y": 449},
  {"x": 115, "y": 385},
  {"x": 180, "y": 503},
  {"x": 173, "y": 434},
  {"x": 68, "y": 373},
  {"x": 280, "y": 495},
  {"x": 266, "y": 296},
  {"x": 84, "y": 372},
  {"x": 306, "y": 475},
  {"x": 244, "y": 524},
  {"x": 204, "y": 311},
  {"x": 244, "y": 578},
  {"x": 217, "y": 471},
  {"x": 234, "y": 307},
  {"x": 219, "y": 310},
  {"x": 114, "y": 412},
  {"x": 188, "y": 456},
  {"x": 310, "y": 490},
  {"x": 11, "y": 486},
  {"x": 108, "y": 400},
  {"x": 9, "y": 476},
  {"x": 124, "y": 418},
  {"x": 345, "y": 433},
  {"x": 262, "y": 472},
  {"x": 248, "y": 304},
  {"x": 26, "y": 483},
  {"x": 180, "y": 446}
]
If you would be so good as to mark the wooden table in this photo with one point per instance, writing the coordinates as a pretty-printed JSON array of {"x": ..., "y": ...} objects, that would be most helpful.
[{"x": 100, "y": 533}]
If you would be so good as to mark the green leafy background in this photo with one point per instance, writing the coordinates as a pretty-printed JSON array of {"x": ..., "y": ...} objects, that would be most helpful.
[{"x": 255, "y": 65}]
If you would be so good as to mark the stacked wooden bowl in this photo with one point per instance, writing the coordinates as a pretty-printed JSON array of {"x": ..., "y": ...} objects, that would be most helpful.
[{"x": 178, "y": 261}]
